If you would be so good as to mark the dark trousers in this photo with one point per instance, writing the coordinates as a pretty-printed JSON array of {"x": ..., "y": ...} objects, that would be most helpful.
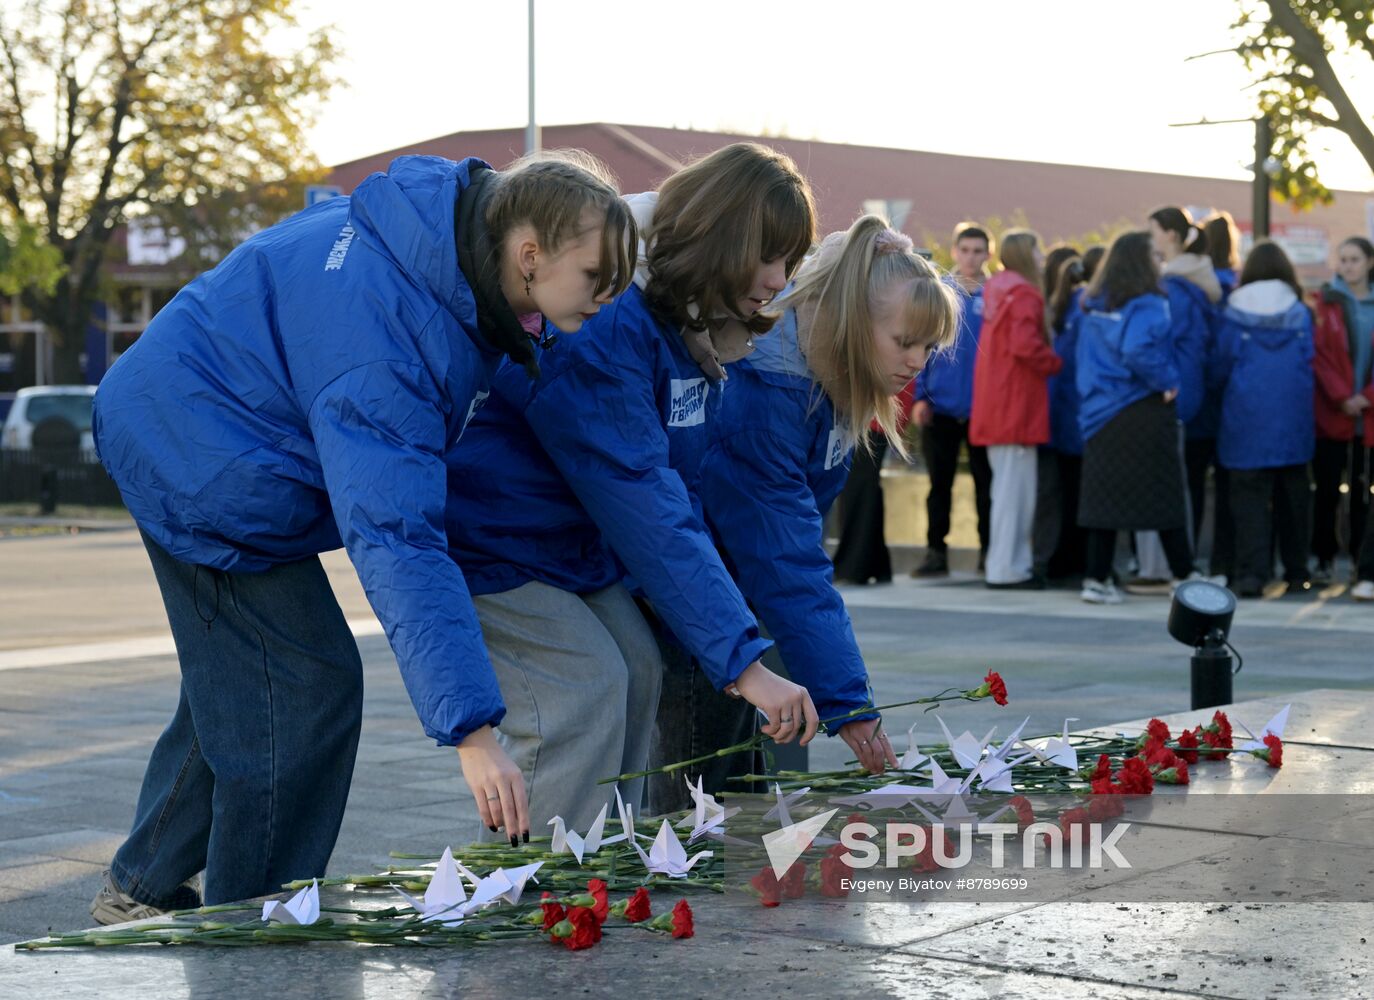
[
  {"x": 1057, "y": 541},
  {"x": 250, "y": 779},
  {"x": 1334, "y": 462},
  {"x": 940, "y": 444},
  {"x": 1100, "y": 552},
  {"x": 1200, "y": 454},
  {"x": 862, "y": 553},
  {"x": 1263, "y": 500},
  {"x": 694, "y": 719}
]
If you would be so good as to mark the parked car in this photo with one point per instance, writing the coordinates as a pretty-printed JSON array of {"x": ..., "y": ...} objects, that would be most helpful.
[{"x": 50, "y": 417}]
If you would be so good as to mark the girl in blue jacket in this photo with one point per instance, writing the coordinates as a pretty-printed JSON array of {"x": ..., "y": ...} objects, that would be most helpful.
[
  {"x": 567, "y": 486},
  {"x": 1127, "y": 385},
  {"x": 855, "y": 330},
  {"x": 302, "y": 395},
  {"x": 1262, "y": 367}
]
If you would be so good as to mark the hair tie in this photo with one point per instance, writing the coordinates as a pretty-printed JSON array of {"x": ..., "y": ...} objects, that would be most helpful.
[{"x": 891, "y": 241}]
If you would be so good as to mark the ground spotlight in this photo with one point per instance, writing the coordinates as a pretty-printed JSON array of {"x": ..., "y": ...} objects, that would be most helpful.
[{"x": 1200, "y": 616}]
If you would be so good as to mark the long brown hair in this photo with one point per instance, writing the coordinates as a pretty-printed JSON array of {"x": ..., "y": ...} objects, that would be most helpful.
[
  {"x": 1128, "y": 271},
  {"x": 714, "y": 223},
  {"x": 1018, "y": 254},
  {"x": 836, "y": 288},
  {"x": 1223, "y": 241}
]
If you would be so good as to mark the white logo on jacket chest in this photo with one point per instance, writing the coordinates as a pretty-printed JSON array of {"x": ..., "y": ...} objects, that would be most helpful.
[
  {"x": 474, "y": 406},
  {"x": 339, "y": 250},
  {"x": 687, "y": 408},
  {"x": 835, "y": 449}
]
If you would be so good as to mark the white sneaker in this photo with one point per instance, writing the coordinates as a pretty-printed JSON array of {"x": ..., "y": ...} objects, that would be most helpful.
[
  {"x": 1194, "y": 575},
  {"x": 1097, "y": 592},
  {"x": 1363, "y": 591}
]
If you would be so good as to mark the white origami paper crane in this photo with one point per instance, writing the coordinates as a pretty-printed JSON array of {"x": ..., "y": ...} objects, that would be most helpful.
[
  {"x": 781, "y": 812},
  {"x": 709, "y": 816},
  {"x": 502, "y": 885},
  {"x": 667, "y": 856},
  {"x": 966, "y": 748},
  {"x": 567, "y": 841},
  {"x": 941, "y": 783},
  {"x": 445, "y": 898},
  {"x": 913, "y": 757},
  {"x": 300, "y": 910},
  {"x": 891, "y": 796},
  {"x": 1004, "y": 751},
  {"x": 1057, "y": 749},
  {"x": 1274, "y": 725}
]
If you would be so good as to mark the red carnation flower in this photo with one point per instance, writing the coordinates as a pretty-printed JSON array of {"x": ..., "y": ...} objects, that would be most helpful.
[
  {"x": 682, "y": 920},
  {"x": 794, "y": 881},
  {"x": 1272, "y": 754},
  {"x": 637, "y": 906},
  {"x": 1187, "y": 739},
  {"x": 1104, "y": 787},
  {"x": 1221, "y": 727},
  {"x": 1025, "y": 815},
  {"x": 996, "y": 687},
  {"x": 1212, "y": 739},
  {"x": 1103, "y": 769},
  {"x": 1134, "y": 778},
  {"x": 586, "y": 929},
  {"x": 766, "y": 884},
  {"x": 1161, "y": 758},
  {"x": 553, "y": 912},
  {"x": 602, "y": 906},
  {"x": 833, "y": 871},
  {"x": 1175, "y": 774},
  {"x": 1158, "y": 730}
]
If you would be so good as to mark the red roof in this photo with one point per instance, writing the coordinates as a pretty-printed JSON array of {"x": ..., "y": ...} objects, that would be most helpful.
[{"x": 1058, "y": 200}]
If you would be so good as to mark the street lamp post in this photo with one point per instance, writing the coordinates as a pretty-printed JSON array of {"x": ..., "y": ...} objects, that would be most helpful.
[
  {"x": 1259, "y": 189},
  {"x": 532, "y": 126}
]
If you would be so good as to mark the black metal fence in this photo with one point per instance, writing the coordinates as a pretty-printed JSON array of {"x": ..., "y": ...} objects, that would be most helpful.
[{"x": 50, "y": 477}]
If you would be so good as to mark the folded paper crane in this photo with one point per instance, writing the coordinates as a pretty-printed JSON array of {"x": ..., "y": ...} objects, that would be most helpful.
[
  {"x": 1274, "y": 726},
  {"x": 445, "y": 899},
  {"x": 666, "y": 855},
  {"x": 1056, "y": 749},
  {"x": 567, "y": 841},
  {"x": 707, "y": 817},
  {"x": 913, "y": 757},
  {"x": 300, "y": 910},
  {"x": 966, "y": 748}
]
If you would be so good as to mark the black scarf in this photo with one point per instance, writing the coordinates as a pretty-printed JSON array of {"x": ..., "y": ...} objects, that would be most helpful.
[{"x": 478, "y": 259}]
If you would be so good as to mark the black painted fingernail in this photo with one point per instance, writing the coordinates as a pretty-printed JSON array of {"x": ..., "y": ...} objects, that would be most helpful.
[
  {"x": 527, "y": 836},
  {"x": 492, "y": 829},
  {"x": 514, "y": 840}
]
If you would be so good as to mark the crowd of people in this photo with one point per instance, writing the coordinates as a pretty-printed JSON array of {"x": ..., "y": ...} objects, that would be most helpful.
[
  {"x": 1095, "y": 391},
  {"x": 504, "y": 394}
]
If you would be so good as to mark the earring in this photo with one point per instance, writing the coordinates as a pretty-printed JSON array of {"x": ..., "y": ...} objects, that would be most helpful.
[{"x": 528, "y": 279}]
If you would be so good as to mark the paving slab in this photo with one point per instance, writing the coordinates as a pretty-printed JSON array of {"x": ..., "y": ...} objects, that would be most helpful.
[{"x": 1250, "y": 950}]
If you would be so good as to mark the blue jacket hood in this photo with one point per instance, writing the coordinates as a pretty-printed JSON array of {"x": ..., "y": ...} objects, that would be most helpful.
[
  {"x": 409, "y": 211},
  {"x": 779, "y": 351},
  {"x": 1269, "y": 310}
]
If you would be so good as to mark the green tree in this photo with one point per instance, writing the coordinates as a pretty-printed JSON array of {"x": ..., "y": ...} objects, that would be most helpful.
[
  {"x": 26, "y": 262},
  {"x": 1288, "y": 44},
  {"x": 174, "y": 109}
]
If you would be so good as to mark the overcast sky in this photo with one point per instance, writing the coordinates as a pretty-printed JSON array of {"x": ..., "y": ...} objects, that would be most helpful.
[{"x": 1071, "y": 81}]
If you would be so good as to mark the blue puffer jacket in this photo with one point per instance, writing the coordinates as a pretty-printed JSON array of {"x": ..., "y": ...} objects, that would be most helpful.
[
  {"x": 304, "y": 393},
  {"x": 1065, "y": 436},
  {"x": 1191, "y": 318},
  {"x": 1123, "y": 356},
  {"x": 606, "y": 460},
  {"x": 1226, "y": 277},
  {"x": 775, "y": 465},
  {"x": 1262, "y": 366},
  {"x": 946, "y": 381}
]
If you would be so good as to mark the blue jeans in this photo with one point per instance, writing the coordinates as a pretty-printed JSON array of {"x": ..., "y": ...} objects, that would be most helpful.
[{"x": 250, "y": 779}]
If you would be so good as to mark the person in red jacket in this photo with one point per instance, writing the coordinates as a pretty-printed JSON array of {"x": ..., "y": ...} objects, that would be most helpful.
[
  {"x": 1345, "y": 430},
  {"x": 1011, "y": 404}
]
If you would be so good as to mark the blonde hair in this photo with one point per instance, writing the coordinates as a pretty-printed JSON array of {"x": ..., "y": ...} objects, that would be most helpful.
[
  {"x": 552, "y": 190},
  {"x": 1018, "y": 254},
  {"x": 714, "y": 222},
  {"x": 838, "y": 286}
]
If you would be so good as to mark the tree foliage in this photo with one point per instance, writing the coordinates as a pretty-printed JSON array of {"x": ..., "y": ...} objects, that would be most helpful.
[
  {"x": 179, "y": 109},
  {"x": 1288, "y": 44}
]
